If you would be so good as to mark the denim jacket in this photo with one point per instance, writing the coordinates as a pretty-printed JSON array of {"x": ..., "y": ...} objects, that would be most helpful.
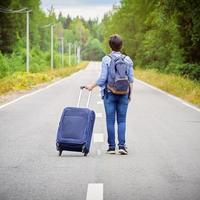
[{"x": 102, "y": 81}]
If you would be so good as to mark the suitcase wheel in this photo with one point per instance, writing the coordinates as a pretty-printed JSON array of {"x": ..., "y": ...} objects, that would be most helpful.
[
  {"x": 57, "y": 147},
  {"x": 85, "y": 151},
  {"x": 60, "y": 152},
  {"x": 85, "y": 154}
]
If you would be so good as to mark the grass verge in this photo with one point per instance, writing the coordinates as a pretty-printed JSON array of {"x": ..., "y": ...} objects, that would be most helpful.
[
  {"x": 184, "y": 88},
  {"x": 23, "y": 80}
]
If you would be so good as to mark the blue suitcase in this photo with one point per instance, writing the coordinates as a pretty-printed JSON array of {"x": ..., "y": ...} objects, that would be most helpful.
[{"x": 76, "y": 128}]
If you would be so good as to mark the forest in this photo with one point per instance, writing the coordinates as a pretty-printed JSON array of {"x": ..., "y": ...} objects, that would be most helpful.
[
  {"x": 159, "y": 34},
  {"x": 74, "y": 32}
]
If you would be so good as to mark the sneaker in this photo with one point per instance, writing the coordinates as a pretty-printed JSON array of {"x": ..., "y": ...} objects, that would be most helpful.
[
  {"x": 123, "y": 150},
  {"x": 111, "y": 150}
]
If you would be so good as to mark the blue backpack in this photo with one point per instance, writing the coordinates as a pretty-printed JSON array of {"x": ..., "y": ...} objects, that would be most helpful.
[{"x": 118, "y": 75}]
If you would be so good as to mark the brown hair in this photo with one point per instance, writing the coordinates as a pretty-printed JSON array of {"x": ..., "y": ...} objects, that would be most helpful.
[{"x": 115, "y": 42}]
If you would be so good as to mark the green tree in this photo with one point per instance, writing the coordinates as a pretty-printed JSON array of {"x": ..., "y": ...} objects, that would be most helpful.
[
  {"x": 8, "y": 28},
  {"x": 93, "y": 50},
  {"x": 163, "y": 34}
]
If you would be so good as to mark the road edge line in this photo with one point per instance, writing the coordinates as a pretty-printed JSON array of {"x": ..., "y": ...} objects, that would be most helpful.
[
  {"x": 170, "y": 95},
  {"x": 38, "y": 91}
]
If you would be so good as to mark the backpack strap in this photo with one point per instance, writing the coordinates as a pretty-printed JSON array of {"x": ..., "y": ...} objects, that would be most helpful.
[
  {"x": 109, "y": 55},
  {"x": 112, "y": 57},
  {"x": 123, "y": 56},
  {"x": 113, "y": 60},
  {"x": 117, "y": 57}
]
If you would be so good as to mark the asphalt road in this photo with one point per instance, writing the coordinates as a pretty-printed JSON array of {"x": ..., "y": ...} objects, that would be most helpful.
[{"x": 163, "y": 139}]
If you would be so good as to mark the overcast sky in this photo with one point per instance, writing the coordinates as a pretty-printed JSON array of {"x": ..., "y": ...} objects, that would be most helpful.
[{"x": 85, "y": 8}]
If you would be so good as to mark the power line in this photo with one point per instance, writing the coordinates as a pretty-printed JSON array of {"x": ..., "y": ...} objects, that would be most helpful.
[{"x": 6, "y": 10}]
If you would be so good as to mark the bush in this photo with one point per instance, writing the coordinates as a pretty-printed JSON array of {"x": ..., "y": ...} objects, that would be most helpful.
[
  {"x": 93, "y": 50},
  {"x": 191, "y": 71},
  {"x": 39, "y": 61},
  {"x": 3, "y": 66},
  {"x": 11, "y": 63},
  {"x": 184, "y": 88},
  {"x": 23, "y": 80}
]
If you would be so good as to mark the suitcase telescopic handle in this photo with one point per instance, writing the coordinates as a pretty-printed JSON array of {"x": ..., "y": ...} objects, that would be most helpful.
[
  {"x": 80, "y": 95},
  {"x": 82, "y": 87}
]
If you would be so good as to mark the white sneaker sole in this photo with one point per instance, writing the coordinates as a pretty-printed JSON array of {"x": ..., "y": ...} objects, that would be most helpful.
[
  {"x": 122, "y": 152},
  {"x": 111, "y": 152}
]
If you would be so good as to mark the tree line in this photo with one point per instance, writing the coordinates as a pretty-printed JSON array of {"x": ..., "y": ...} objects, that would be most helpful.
[{"x": 160, "y": 34}]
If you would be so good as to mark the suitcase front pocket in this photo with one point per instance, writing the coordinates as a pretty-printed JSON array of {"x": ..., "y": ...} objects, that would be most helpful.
[{"x": 73, "y": 127}]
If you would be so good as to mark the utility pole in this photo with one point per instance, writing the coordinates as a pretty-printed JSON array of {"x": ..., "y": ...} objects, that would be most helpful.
[
  {"x": 51, "y": 42},
  {"x": 27, "y": 42},
  {"x": 78, "y": 54},
  {"x": 69, "y": 53},
  {"x": 75, "y": 52},
  {"x": 23, "y": 10},
  {"x": 52, "y": 46},
  {"x": 62, "y": 51}
]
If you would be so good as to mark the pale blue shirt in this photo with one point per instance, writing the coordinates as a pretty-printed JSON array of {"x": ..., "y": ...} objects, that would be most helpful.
[{"x": 102, "y": 80}]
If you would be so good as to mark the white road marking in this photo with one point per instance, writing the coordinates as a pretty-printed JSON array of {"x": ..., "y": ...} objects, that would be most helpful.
[
  {"x": 99, "y": 115},
  {"x": 37, "y": 91},
  {"x": 170, "y": 95},
  {"x": 99, "y": 102},
  {"x": 98, "y": 152},
  {"x": 95, "y": 191},
  {"x": 98, "y": 137}
]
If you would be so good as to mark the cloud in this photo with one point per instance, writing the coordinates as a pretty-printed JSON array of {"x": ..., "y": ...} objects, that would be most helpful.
[
  {"x": 84, "y": 8},
  {"x": 85, "y": 12},
  {"x": 72, "y": 3}
]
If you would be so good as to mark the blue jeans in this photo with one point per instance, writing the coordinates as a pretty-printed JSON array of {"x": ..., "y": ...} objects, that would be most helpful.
[{"x": 116, "y": 105}]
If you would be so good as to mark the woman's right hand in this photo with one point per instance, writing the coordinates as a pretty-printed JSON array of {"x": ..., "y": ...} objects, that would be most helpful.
[{"x": 89, "y": 87}]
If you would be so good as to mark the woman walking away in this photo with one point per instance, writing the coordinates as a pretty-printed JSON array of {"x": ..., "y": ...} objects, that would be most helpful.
[{"x": 116, "y": 86}]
